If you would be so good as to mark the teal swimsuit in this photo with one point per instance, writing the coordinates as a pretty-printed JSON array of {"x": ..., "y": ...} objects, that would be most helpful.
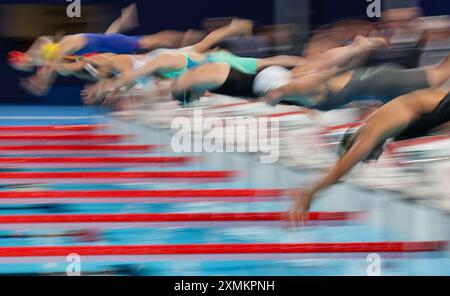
[
  {"x": 240, "y": 64},
  {"x": 190, "y": 64},
  {"x": 243, "y": 65}
]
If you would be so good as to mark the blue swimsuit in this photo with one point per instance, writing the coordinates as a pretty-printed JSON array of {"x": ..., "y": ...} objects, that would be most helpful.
[{"x": 110, "y": 43}]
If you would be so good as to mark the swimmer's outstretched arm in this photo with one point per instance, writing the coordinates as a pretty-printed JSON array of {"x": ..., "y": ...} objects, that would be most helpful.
[
  {"x": 112, "y": 62},
  {"x": 368, "y": 140},
  {"x": 386, "y": 122},
  {"x": 127, "y": 79},
  {"x": 281, "y": 60},
  {"x": 67, "y": 69}
]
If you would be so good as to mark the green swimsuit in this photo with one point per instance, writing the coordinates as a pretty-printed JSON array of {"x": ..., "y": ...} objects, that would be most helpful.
[{"x": 243, "y": 65}]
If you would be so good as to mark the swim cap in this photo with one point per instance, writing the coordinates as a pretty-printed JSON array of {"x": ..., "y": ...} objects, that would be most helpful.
[
  {"x": 18, "y": 57},
  {"x": 348, "y": 140},
  {"x": 49, "y": 50},
  {"x": 20, "y": 61},
  {"x": 269, "y": 79}
]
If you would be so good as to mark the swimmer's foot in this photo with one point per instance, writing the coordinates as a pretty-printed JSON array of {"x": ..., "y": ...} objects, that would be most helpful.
[
  {"x": 191, "y": 37},
  {"x": 129, "y": 18},
  {"x": 371, "y": 43},
  {"x": 127, "y": 21}
]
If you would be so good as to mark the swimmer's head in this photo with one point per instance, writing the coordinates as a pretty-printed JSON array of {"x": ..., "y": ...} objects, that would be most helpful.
[
  {"x": 269, "y": 79},
  {"x": 19, "y": 60},
  {"x": 349, "y": 139},
  {"x": 49, "y": 51},
  {"x": 347, "y": 142}
]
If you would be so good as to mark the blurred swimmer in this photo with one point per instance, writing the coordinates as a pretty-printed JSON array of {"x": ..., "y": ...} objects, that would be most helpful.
[
  {"x": 410, "y": 115},
  {"x": 224, "y": 79},
  {"x": 46, "y": 49},
  {"x": 328, "y": 87},
  {"x": 40, "y": 83},
  {"x": 171, "y": 65}
]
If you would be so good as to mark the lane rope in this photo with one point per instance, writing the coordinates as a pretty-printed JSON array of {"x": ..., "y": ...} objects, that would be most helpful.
[
  {"x": 119, "y": 175},
  {"x": 171, "y": 217},
  {"x": 191, "y": 249},
  {"x": 143, "y": 193}
]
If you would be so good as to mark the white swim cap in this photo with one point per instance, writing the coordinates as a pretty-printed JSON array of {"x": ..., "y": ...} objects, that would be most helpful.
[{"x": 270, "y": 78}]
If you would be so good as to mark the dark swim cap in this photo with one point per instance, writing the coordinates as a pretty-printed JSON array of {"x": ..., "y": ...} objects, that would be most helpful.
[{"x": 348, "y": 140}]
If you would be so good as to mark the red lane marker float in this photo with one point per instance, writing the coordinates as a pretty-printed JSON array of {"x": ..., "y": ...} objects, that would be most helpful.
[
  {"x": 230, "y": 105},
  {"x": 118, "y": 175},
  {"x": 343, "y": 126},
  {"x": 52, "y": 128},
  {"x": 275, "y": 115},
  {"x": 142, "y": 193},
  {"x": 77, "y": 147},
  {"x": 61, "y": 137},
  {"x": 191, "y": 249},
  {"x": 418, "y": 141},
  {"x": 170, "y": 217},
  {"x": 65, "y": 160}
]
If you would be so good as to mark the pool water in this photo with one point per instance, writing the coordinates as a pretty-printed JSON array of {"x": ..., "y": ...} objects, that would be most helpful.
[{"x": 386, "y": 217}]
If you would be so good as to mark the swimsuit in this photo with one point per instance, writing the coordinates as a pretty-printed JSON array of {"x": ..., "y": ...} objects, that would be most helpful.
[
  {"x": 428, "y": 121},
  {"x": 110, "y": 43},
  {"x": 383, "y": 83},
  {"x": 243, "y": 65},
  {"x": 171, "y": 74}
]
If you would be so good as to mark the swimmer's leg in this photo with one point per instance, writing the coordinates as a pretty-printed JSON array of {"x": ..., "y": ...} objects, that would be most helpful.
[
  {"x": 163, "y": 39},
  {"x": 128, "y": 20},
  {"x": 235, "y": 28},
  {"x": 203, "y": 78},
  {"x": 350, "y": 55},
  {"x": 439, "y": 74},
  {"x": 282, "y": 60},
  {"x": 191, "y": 37}
]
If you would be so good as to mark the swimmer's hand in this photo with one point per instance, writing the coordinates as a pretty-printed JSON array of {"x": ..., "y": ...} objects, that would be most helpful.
[
  {"x": 273, "y": 97},
  {"x": 301, "y": 202},
  {"x": 36, "y": 85},
  {"x": 94, "y": 94}
]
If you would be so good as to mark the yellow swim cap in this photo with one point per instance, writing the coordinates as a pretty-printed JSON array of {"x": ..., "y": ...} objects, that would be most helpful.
[{"x": 49, "y": 51}]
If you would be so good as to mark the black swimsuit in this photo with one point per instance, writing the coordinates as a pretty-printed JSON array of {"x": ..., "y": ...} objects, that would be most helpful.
[
  {"x": 237, "y": 84},
  {"x": 418, "y": 128},
  {"x": 429, "y": 121}
]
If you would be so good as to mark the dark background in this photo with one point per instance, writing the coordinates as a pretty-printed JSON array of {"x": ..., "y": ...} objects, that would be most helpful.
[{"x": 177, "y": 14}]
